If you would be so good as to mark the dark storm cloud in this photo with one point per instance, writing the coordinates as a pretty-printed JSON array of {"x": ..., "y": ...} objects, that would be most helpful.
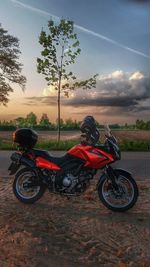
[
  {"x": 141, "y": 108},
  {"x": 117, "y": 101},
  {"x": 112, "y": 92},
  {"x": 41, "y": 100},
  {"x": 140, "y": 1},
  {"x": 119, "y": 91}
]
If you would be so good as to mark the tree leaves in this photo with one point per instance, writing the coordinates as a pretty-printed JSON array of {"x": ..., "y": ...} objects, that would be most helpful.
[
  {"x": 31, "y": 119},
  {"x": 86, "y": 84},
  {"x": 60, "y": 50},
  {"x": 10, "y": 67}
]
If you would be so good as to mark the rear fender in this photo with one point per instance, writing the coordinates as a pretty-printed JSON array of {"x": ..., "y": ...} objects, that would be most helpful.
[
  {"x": 13, "y": 168},
  {"x": 17, "y": 160},
  {"x": 27, "y": 162}
]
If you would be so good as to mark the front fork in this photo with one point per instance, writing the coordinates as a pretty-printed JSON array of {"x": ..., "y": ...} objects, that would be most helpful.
[{"x": 110, "y": 174}]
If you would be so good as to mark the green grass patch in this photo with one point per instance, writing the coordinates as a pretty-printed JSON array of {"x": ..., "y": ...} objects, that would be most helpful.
[
  {"x": 46, "y": 145},
  {"x": 125, "y": 145},
  {"x": 6, "y": 145},
  {"x": 54, "y": 145},
  {"x": 137, "y": 145}
]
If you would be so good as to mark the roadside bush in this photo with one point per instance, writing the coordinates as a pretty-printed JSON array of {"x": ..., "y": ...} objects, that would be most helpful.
[{"x": 135, "y": 145}]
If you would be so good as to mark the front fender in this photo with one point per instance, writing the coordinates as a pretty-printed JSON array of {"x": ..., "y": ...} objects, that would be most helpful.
[
  {"x": 122, "y": 171},
  {"x": 117, "y": 172}
]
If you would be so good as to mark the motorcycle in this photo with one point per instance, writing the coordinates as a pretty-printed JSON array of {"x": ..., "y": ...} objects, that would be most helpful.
[{"x": 70, "y": 175}]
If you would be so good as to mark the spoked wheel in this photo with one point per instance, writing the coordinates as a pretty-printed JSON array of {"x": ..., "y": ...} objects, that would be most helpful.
[
  {"x": 26, "y": 188},
  {"x": 121, "y": 199}
]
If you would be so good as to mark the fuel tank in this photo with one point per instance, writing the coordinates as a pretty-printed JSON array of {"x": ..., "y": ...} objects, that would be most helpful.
[{"x": 94, "y": 157}]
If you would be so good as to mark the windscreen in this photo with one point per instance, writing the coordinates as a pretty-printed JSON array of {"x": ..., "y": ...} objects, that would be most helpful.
[{"x": 107, "y": 130}]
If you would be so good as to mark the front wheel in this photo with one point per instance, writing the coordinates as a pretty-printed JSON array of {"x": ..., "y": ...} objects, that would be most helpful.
[
  {"x": 122, "y": 199},
  {"x": 26, "y": 187}
]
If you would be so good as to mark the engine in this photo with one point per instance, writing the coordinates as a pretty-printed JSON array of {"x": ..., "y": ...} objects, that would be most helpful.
[
  {"x": 68, "y": 183},
  {"x": 76, "y": 184}
]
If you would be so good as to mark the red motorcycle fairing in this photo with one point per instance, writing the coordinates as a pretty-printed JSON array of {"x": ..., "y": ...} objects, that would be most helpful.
[
  {"x": 43, "y": 163},
  {"x": 94, "y": 157}
]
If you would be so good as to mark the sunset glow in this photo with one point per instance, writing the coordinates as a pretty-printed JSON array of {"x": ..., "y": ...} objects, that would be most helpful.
[{"x": 117, "y": 48}]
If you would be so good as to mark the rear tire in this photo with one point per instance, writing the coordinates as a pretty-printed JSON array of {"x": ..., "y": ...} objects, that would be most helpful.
[
  {"x": 26, "y": 173},
  {"x": 108, "y": 204}
]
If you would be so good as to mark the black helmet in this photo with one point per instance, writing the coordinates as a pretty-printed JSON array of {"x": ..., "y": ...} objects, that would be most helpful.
[
  {"x": 88, "y": 127},
  {"x": 88, "y": 124}
]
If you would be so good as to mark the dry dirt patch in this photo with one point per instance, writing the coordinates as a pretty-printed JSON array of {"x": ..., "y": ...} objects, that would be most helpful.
[
  {"x": 76, "y": 232},
  {"x": 75, "y": 135}
]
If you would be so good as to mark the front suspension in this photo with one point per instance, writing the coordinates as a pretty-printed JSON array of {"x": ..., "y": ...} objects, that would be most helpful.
[{"x": 110, "y": 174}]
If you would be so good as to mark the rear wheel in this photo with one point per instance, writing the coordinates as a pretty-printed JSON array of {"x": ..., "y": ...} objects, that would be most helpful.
[
  {"x": 122, "y": 199},
  {"x": 26, "y": 187}
]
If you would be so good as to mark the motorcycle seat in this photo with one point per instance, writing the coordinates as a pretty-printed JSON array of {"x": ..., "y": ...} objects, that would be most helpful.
[{"x": 44, "y": 154}]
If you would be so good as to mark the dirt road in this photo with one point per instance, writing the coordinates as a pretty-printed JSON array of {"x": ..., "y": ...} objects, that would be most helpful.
[
  {"x": 75, "y": 135},
  {"x": 56, "y": 232}
]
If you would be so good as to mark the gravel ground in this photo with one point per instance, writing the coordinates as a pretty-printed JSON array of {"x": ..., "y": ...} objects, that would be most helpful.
[
  {"x": 79, "y": 232},
  {"x": 76, "y": 232}
]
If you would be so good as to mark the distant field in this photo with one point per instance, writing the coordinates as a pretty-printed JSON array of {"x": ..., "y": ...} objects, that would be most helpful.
[
  {"x": 132, "y": 135},
  {"x": 128, "y": 140},
  {"x": 129, "y": 135}
]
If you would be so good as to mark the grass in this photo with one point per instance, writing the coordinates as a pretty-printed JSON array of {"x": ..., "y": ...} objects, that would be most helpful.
[
  {"x": 136, "y": 145},
  {"x": 125, "y": 145},
  {"x": 47, "y": 145},
  {"x": 54, "y": 145},
  {"x": 4, "y": 145}
]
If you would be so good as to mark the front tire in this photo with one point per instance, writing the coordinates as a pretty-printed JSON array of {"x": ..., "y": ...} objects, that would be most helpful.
[
  {"x": 122, "y": 181},
  {"x": 27, "y": 195}
]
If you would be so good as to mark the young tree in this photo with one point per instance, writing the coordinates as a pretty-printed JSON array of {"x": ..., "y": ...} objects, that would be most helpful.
[
  {"x": 60, "y": 49},
  {"x": 10, "y": 67}
]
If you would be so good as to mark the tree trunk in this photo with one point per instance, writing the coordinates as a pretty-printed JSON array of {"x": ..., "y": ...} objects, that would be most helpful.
[
  {"x": 58, "y": 134},
  {"x": 59, "y": 87}
]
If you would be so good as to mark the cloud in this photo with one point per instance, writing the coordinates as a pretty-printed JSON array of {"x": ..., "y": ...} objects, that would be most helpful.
[
  {"x": 117, "y": 93},
  {"x": 41, "y": 101},
  {"x": 49, "y": 91},
  {"x": 116, "y": 75},
  {"x": 125, "y": 91},
  {"x": 115, "y": 101},
  {"x": 140, "y": 1},
  {"x": 136, "y": 76},
  {"x": 83, "y": 29}
]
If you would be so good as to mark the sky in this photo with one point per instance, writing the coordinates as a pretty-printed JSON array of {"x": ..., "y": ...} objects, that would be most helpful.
[{"x": 114, "y": 38}]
